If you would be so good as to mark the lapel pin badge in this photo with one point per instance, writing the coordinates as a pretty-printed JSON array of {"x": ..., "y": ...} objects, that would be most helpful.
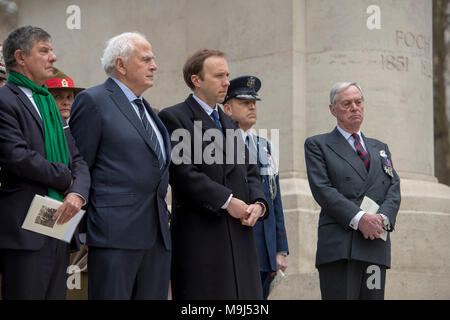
[{"x": 387, "y": 166}]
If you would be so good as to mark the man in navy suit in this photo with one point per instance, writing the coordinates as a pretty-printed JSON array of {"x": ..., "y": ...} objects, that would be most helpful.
[
  {"x": 34, "y": 266},
  {"x": 344, "y": 167},
  {"x": 270, "y": 234},
  {"x": 127, "y": 149}
]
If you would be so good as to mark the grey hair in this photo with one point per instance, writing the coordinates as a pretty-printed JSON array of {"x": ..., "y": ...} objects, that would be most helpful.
[
  {"x": 23, "y": 38},
  {"x": 121, "y": 45},
  {"x": 339, "y": 86}
]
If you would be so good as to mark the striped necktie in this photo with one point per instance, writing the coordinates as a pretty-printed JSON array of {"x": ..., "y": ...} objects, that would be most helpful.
[
  {"x": 363, "y": 154},
  {"x": 149, "y": 129}
]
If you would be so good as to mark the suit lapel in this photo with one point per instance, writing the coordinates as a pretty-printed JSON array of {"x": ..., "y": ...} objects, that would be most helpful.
[
  {"x": 237, "y": 143},
  {"x": 198, "y": 114},
  {"x": 339, "y": 145},
  {"x": 27, "y": 103},
  {"x": 162, "y": 130},
  {"x": 373, "y": 154},
  {"x": 122, "y": 103}
]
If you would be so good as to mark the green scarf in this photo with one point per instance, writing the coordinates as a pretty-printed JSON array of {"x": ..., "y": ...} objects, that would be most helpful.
[{"x": 56, "y": 149}]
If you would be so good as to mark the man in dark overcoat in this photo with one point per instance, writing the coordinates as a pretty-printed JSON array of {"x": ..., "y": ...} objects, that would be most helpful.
[{"x": 217, "y": 196}]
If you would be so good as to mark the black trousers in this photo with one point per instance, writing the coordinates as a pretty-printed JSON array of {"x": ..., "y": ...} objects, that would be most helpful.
[
  {"x": 35, "y": 275},
  {"x": 119, "y": 274},
  {"x": 352, "y": 280},
  {"x": 265, "y": 282}
]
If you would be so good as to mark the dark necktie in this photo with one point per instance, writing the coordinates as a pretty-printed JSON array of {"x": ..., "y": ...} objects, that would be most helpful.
[
  {"x": 252, "y": 151},
  {"x": 363, "y": 154},
  {"x": 215, "y": 116},
  {"x": 149, "y": 129}
]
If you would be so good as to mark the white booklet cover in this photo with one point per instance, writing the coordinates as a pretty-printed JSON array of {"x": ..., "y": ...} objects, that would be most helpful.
[
  {"x": 371, "y": 207},
  {"x": 276, "y": 280},
  {"x": 40, "y": 219}
]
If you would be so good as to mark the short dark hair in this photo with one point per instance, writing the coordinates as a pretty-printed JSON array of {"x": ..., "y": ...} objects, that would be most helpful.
[
  {"x": 23, "y": 38},
  {"x": 194, "y": 64}
]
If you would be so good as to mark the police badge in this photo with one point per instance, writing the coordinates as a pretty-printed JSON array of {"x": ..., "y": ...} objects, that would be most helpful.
[
  {"x": 251, "y": 82},
  {"x": 387, "y": 166}
]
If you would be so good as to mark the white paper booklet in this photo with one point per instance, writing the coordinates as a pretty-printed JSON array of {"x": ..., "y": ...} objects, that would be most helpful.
[
  {"x": 276, "y": 280},
  {"x": 371, "y": 207},
  {"x": 40, "y": 219}
]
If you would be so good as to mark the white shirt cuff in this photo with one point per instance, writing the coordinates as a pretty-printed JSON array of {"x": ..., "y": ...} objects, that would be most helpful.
[
  {"x": 84, "y": 200},
  {"x": 228, "y": 202},
  {"x": 355, "y": 221},
  {"x": 386, "y": 221},
  {"x": 264, "y": 210}
]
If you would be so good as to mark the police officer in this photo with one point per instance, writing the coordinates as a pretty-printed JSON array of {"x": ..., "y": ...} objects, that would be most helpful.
[{"x": 270, "y": 234}]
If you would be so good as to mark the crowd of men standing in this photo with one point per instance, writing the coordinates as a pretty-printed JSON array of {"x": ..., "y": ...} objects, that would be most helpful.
[{"x": 225, "y": 237}]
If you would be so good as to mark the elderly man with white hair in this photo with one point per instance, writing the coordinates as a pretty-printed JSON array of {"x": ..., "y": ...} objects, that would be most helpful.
[
  {"x": 345, "y": 170},
  {"x": 127, "y": 149}
]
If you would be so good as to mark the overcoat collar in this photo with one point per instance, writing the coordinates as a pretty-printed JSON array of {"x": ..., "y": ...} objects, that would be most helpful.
[
  {"x": 27, "y": 103},
  {"x": 198, "y": 114}
]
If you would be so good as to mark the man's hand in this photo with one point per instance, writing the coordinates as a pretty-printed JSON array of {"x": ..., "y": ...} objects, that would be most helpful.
[
  {"x": 237, "y": 208},
  {"x": 281, "y": 262},
  {"x": 254, "y": 213},
  {"x": 71, "y": 205},
  {"x": 371, "y": 226}
]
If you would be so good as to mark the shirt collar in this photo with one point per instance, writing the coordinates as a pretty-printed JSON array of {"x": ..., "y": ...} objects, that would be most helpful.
[
  {"x": 251, "y": 135},
  {"x": 346, "y": 134},
  {"x": 204, "y": 105},
  {"x": 127, "y": 91},
  {"x": 244, "y": 134},
  {"x": 27, "y": 92}
]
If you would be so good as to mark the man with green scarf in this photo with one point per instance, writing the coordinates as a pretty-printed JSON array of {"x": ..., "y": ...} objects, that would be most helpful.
[{"x": 37, "y": 156}]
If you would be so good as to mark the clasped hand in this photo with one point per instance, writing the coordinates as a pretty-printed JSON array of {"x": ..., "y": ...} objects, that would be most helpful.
[
  {"x": 248, "y": 214},
  {"x": 371, "y": 226}
]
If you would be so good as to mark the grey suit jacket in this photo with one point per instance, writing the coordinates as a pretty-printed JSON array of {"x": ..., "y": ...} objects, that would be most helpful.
[{"x": 339, "y": 182}]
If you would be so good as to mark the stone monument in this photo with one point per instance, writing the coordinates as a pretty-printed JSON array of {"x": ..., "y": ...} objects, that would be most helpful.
[{"x": 299, "y": 49}]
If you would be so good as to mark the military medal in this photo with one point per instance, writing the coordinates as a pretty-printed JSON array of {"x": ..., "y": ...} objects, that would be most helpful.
[{"x": 387, "y": 166}]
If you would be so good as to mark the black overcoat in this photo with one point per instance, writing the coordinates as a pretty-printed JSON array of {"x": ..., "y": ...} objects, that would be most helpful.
[{"x": 214, "y": 255}]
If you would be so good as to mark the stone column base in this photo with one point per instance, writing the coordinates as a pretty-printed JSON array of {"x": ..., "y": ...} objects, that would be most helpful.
[{"x": 420, "y": 243}]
